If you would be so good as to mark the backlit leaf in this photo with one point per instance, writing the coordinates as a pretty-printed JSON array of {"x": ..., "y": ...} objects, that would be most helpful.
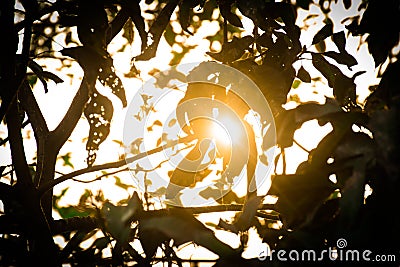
[
  {"x": 323, "y": 33},
  {"x": 98, "y": 112},
  {"x": 303, "y": 75},
  {"x": 157, "y": 29},
  {"x": 342, "y": 58}
]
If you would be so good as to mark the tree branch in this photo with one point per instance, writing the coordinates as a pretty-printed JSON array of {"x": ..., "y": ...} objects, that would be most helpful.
[
  {"x": 91, "y": 223},
  {"x": 19, "y": 162},
  {"x": 111, "y": 165},
  {"x": 39, "y": 127}
]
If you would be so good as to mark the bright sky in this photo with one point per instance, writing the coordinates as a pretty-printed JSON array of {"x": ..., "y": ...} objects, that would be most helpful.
[{"x": 56, "y": 101}]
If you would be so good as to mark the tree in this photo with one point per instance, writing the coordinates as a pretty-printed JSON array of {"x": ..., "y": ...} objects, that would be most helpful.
[{"x": 313, "y": 211}]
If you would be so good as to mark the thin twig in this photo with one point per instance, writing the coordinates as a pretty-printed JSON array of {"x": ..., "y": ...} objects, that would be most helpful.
[
  {"x": 302, "y": 147},
  {"x": 101, "y": 176}
]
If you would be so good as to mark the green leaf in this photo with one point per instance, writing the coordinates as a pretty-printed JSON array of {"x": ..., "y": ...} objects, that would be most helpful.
[
  {"x": 303, "y": 75},
  {"x": 296, "y": 84},
  {"x": 323, "y": 33},
  {"x": 66, "y": 158}
]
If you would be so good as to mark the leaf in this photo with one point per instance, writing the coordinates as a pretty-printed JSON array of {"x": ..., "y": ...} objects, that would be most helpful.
[
  {"x": 303, "y": 75},
  {"x": 225, "y": 8},
  {"x": 342, "y": 58},
  {"x": 185, "y": 12},
  {"x": 99, "y": 112},
  {"x": 296, "y": 84},
  {"x": 51, "y": 76},
  {"x": 289, "y": 120},
  {"x": 233, "y": 50},
  {"x": 43, "y": 75},
  {"x": 118, "y": 219},
  {"x": 66, "y": 158},
  {"x": 321, "y": 46},
  {"x": 92, "y": 24},
  {"x": 109, "y": 78},
  {"x": 347, "y": 3},
  {"x": 172, "y": 122},
  {"x": 323, "y": 33},
  {"x": 128, "y": 31},
  {"x": 304, "y": 4},
  {"x": 2, "y": 168},
  {"x": 339, "y": 39},
  {"x": 101, "y": 243},
  {"x": 157, "y": 29},
  {"x": 183, "y": 228},
  {"x": 328, "y": 70},
  {"x": 134, "y": 11},
  {"x": 300, "y": 195},
  {"x": 247, "y": 216},
  {"x": 73, "y": 243}
]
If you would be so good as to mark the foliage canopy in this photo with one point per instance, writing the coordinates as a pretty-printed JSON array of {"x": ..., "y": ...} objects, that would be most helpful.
[{"x": 312, "y": 209}]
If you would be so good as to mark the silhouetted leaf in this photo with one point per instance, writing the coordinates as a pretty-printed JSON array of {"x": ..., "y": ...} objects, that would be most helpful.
[
  {"x": 328, "y": 70},
  {"x": 304, "y": 4},
  {"x": 321, "y": 46},
  {"x": 347, "y": 3},
  {"x": 265, "y": 40},
  {"x": 51, "y": 76},
  {"x": 183, "y": 228},
  {"x": 342, "y": 58},
  {"x": 185, "y": 12},
  {"x": 157, "y": 29},
  {"x": 118, "y": 219},
  {"x": 98, "y": 112},
  {"x": 225, "y": 7},
  {"x": 323, "y": 33},
  {"x": 43, "y": 75},
  {"x": 233, "y": 50},
  {"x": 134, "y": 11},
  {"x": 88, "y": 58},
  {"x": 339, "y": 39},
  {"x": 303, "y": 75},
  {"x": 247, "y": 216},
  {"x": 300, "y": 195},
  {"x": 92, "y": 24}
]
